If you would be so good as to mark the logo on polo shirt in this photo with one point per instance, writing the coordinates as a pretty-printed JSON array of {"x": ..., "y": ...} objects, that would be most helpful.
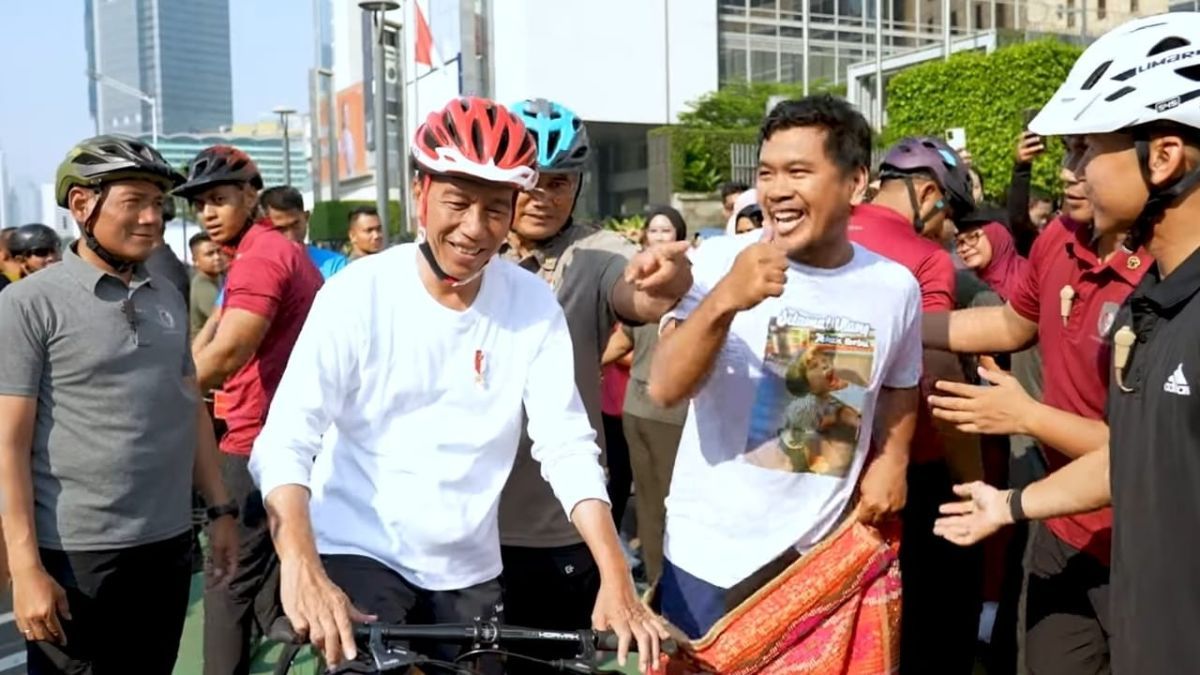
[
  {"x": 1177, "y": 383},
  {"x": 165, "y": 318}
]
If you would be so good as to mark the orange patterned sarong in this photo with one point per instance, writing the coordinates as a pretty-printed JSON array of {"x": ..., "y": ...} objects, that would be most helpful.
[{"x": 835, "y": 611}]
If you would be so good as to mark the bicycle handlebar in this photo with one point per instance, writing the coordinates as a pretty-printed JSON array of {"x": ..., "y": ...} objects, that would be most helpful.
[{"x": 480, "y": 632}]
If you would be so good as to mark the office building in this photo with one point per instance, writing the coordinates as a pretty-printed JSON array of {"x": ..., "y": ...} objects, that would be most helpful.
[
  {"x": 627, "y": 66},
  {"x": 263, "y": 141},
  {"x": 173, "y": 51}
]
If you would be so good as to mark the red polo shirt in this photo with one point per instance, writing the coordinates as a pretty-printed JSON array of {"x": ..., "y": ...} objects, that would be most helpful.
[
  {"x": 889, "y": 234},
  {"x": 1076, "y": 358},
  {"x": 274, "y": 278}
]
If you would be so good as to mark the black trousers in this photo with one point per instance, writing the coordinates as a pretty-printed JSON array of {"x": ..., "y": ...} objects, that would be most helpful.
[
  {"x": 620, "y": 473},
  {"x": 251, "y": 598},
  {"x": 942, "y": 583},
  {"x": 1066, "y": 609},
  {"x": 140, "y": 591},
  {"x": 378, "y": 590},
  {"x": 552, "y": 588}
]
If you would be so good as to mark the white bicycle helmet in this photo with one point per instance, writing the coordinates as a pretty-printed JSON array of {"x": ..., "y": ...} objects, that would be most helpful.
[
  {"x": 1146, "y": 70},
  {"x": 1141, "y": 75}
]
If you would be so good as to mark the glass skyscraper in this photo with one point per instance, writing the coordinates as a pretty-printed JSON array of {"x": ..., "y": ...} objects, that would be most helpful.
[{"x": 175, "y": 51}]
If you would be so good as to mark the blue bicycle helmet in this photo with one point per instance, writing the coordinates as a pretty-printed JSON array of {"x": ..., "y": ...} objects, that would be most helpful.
[{"x": 562, "y": 140}]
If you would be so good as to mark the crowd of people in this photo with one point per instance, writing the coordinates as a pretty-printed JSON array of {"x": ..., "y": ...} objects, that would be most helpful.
[{"x": 869, "y": 364}]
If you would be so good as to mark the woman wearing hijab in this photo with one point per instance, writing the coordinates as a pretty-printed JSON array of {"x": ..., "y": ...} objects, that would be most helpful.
[
  {"x": 747, "y": 214},
  {"x": 990, "y": 252},
  {"x": 651, "y": 431}
]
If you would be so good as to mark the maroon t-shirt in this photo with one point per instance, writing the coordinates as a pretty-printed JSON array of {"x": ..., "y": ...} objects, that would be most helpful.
[
  {"x": 274, "y": 278},
  {"x": 1076, "y": 357},
  {"x": 889, "y": 234}
]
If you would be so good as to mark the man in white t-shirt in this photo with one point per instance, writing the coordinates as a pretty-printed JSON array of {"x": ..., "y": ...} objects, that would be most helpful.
[
  {"x": 407, "y": 384},
  {"x": 801, "y": 353}
]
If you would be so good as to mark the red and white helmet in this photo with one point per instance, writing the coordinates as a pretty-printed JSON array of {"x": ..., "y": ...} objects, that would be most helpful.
[{"x": 479, "y": 138}]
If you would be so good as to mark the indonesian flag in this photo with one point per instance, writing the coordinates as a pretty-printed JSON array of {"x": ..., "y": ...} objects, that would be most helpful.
[{"x": 424, "y": 37}]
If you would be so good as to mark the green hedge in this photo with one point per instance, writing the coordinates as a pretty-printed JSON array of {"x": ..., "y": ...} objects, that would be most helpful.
[
  {"x": 986, "y": 94},
  {"x": 699, "y": 157},
  {"x": 329, "y": 220}
]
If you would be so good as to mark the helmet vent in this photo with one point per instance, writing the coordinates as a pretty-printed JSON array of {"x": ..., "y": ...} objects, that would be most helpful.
[
  {"x": 502, "y": 144},
  {"x": 477, "y": 137},
  {"x": 1119, "y": 93},
  {"x": 553, "y": 138},
  {"x": 1096, "y": 75},
  {"x": 1167, "y": 44},
  {"x": 1190, "y": 72}
]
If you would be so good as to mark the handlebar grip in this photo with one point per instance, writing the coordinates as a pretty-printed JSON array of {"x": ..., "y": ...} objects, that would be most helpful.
[{"x": 607, "y": 641}]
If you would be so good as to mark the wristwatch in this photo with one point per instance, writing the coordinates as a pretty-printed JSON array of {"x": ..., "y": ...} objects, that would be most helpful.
[{"x": 229, "y": 509}]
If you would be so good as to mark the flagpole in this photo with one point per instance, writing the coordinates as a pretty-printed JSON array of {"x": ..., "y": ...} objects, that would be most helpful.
[{"x": 416, "y": 66}]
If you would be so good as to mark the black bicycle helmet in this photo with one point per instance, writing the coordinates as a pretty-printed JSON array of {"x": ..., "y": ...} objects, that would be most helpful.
[
  {"x": 32, "y": 237},
  {"x": 218, "y": 165},
  {"x": 99, "y": 161}
]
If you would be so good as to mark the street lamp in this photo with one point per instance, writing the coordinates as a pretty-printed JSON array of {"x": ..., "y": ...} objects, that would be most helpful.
[
  {"x": 283, "y": 112},
  {"x": 136, "y": 93},
  {"x": 378, "y": 8}
]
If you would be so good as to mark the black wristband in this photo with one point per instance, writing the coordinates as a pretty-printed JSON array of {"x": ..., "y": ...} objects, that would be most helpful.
[
  {"x": 1014, "y": 505},
  {"x": 230, "y": 509}
]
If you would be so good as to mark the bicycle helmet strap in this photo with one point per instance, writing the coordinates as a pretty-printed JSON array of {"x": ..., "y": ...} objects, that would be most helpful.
[{"x": 89, "y": 238}]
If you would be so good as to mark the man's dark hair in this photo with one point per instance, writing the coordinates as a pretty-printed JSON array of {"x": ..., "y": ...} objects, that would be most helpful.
[
  {"x": 732, "y": 187},
  {"x": 847, "y": 134},
  {"x": 198, "y": 239},
  {"x": 282, "y": 198},
  {"x": 361, "y": 211}
]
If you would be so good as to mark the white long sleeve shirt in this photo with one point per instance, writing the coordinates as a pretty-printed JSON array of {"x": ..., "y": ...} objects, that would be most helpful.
[{"x": 413, "y": 412}]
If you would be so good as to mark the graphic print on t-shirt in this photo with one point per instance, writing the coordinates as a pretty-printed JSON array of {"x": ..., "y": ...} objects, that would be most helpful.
[{"x": 809, "y": 404}]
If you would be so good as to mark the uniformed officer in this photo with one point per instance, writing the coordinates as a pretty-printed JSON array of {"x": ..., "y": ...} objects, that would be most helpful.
[
  {"x": 1132, "y": 94},
  {"x": 102, "y": 432}
]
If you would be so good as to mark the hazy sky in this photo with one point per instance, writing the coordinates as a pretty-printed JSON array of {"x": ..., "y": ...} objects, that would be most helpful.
[{"x": 43, "y": 88}]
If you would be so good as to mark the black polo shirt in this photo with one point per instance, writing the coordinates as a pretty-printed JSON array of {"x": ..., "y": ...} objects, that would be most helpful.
[{"x": 1155, "y": 450}]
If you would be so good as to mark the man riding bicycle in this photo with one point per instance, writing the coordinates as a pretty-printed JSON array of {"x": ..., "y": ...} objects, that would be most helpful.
[{"x": 408, "y": 385}]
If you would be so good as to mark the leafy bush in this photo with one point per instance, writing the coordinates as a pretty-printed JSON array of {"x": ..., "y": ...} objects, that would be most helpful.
[
  {"x": 330, "y": 220},
  {"x": 699, "y": 157},
  {"x": 986, "y": 94},
  {"x": 699, "y": 145},
  {"x": 629, "y": 227}
]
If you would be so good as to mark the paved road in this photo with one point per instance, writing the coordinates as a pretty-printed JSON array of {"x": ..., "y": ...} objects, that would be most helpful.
[{"x": 12, "y": 647}]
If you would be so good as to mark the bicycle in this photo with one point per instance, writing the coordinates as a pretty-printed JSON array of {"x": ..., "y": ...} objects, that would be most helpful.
[{"x": 382, "y": 647}]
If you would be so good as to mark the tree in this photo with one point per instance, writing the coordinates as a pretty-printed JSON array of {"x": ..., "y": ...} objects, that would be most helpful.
[{"x": 737, "y": 105}]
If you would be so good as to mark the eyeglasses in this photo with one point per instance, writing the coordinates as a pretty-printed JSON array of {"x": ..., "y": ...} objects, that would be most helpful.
[
  {"x": 42, "y": 252},
  {"x": 968, "y": 238}
]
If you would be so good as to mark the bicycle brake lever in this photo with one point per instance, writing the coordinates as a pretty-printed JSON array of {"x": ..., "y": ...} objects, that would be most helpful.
[
  {"x": 389, "y": 659},
  {"x": 575, "y": 666}
]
